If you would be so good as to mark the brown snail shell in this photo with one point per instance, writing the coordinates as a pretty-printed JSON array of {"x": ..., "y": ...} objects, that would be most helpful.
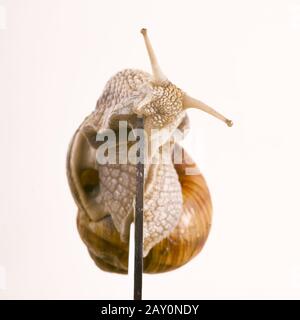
[{"x": 103, "y": 240}]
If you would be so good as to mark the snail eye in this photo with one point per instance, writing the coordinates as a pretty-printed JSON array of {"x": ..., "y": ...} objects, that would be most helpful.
[{"x": 89, "y": 180}]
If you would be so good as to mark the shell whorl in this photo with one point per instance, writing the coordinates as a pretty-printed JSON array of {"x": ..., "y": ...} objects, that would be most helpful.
[{"x": 182, "y": 244}]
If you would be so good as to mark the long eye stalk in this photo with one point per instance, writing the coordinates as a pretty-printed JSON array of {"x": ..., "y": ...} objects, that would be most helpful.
[
  {"x": 189, "y": 102},
  {"x": 157, "y": 73}
]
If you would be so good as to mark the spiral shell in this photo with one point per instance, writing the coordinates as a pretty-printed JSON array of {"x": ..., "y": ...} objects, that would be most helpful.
[{"x": 103, "y": 240}]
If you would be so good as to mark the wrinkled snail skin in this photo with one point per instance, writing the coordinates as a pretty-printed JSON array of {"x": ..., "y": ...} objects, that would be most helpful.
[
  {"x": 177, "y": 206},
  {"x": 184, "y": 242}
]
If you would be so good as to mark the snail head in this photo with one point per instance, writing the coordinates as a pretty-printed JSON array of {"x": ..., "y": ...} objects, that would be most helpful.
[{"x": 164, "y": 103}]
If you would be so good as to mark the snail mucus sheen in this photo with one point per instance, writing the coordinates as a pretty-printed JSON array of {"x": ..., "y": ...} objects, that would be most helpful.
[{"x": 177, "y": 203}]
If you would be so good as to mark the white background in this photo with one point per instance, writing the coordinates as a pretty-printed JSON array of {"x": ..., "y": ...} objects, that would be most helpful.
[{"x": 241, "y": 57}]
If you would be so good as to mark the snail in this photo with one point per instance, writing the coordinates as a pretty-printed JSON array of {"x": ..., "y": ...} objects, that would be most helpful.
[{"x": 177, "y": 205}]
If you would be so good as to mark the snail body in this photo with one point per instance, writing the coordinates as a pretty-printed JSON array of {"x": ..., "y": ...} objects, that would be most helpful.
[{"x": 177, "y": 206}]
